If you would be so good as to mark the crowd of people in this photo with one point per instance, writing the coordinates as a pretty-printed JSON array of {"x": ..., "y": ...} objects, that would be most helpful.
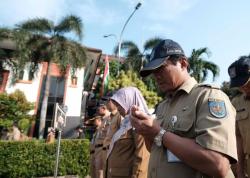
[{"x": 196, "y": 130}]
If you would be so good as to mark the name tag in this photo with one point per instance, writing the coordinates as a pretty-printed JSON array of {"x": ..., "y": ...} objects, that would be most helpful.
[{"x": 171, "y": 157}]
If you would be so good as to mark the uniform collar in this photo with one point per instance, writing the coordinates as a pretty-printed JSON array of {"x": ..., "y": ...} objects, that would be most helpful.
[
  {"x": 187, "y": 86},
  {"x": 246, "y": 97}
]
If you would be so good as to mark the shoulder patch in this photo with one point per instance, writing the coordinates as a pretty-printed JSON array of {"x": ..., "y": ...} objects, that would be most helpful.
[
  {"x": 217, "y": 108},
  {"x": 208, "y": 85}
]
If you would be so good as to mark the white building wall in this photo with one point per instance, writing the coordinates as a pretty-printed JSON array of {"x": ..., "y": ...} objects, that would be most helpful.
[
  {"x": 74, "y": 94},
  {"x": 30, "y": 89}
]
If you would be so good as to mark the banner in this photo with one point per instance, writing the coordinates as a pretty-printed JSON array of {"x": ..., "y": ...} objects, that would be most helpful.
[{"x": 105, "y": 80}]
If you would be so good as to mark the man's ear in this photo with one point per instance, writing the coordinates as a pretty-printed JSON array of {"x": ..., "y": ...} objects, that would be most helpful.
[{"x": 184, "y": 63}]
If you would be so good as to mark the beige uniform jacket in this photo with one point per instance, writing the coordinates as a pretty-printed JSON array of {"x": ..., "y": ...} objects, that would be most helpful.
[
  {"x": 242, "y": 107},
  {"x": 128, "y": 158},
  {"x": 100, "y": 135},
  {"x": 113, "y": 127},
  {"x": 92, "y": 159},
  {"x": 199, "y": 112}
]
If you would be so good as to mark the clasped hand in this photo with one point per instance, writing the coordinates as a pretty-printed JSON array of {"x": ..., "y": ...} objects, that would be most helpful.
[{"x": 144, "y": 123}]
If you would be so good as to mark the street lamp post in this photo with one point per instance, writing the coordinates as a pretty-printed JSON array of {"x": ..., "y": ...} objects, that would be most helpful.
[
  {"x": 120, "y": 37},
  {"x": 106, "y": 36}
]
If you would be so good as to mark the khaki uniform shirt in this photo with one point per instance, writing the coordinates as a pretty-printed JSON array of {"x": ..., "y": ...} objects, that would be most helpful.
[
  {"x": 128, "y": 158},
  {"x": 242, "y": 107},
  {"x": 199, "y": 112},
  {"x": 99, "y": 138},
  {"x": 113, "y": 127},
  {"x": 92, "y": 158}
]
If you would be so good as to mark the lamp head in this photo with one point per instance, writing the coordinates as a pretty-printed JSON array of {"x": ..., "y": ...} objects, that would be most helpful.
[{"x": 138, "y": 5}]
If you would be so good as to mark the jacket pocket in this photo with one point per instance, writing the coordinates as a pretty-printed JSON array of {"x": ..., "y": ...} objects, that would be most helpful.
[
  {"x": 120, "y": 172},
  {"x": 242, "y": 114}
]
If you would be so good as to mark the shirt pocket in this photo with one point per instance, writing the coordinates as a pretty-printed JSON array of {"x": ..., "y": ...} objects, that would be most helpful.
[{"x": 184, "y": 124}]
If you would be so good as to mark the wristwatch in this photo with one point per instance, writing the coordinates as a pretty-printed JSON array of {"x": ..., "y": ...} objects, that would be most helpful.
[{"x": 158, "y": 137}]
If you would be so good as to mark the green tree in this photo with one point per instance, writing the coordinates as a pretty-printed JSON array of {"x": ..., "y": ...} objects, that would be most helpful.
[
  {"x": 199, "y": 67},
  {"x": 113, "y": 68},
  {"x": 15, "y": 59},
  {"x": 134, "y": 58},
  {"x": 47, "y": 42},
  {"x": 14, "y": 107},
  {"x": 130, "y": 78}
]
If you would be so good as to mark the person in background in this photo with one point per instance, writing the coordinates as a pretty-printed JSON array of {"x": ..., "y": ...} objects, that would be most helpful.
[
  {"x": 51, "y": 135},
  {"x": 239, "y": 72},
  {"x": 79, "y": 132},
  {"x": 94, "y": 173},
  {"x": 193, "y": 134},
  {"x": 14, "y": 133},
  {"x": 127, "y": 156},
  {"x": 113, "y": 126},
  {"x": 99, "y": 138}
]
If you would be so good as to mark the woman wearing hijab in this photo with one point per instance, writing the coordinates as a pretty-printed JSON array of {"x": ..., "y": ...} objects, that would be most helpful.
[{"x": 127, "y": 156}]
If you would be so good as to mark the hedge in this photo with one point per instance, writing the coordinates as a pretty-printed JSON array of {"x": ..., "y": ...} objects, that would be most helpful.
[{"x": 36, "y": 159}]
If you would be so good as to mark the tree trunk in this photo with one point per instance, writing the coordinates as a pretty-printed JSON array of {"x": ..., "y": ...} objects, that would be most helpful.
[{"x": 45, "y": 102}]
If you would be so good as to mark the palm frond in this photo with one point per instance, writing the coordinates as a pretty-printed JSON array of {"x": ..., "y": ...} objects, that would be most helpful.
[
  {"x": 213, "y": 68},
  {"x": 6, "y": 33},
  {"x": 199, "y": 67},
  {"x": 37, "y": 25},
  {"x": 126, "y": 46},
  {"x": 69, "y": 53},
  {"x": 151, "y": 43},
  {"x": 70, "y": 23}
]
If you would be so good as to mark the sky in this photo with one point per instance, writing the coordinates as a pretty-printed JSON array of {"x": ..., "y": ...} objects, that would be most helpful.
[{"x": 223, "y": 26}]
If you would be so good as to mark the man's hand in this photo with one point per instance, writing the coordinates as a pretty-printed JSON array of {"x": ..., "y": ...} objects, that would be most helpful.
[{"x": 144, "y": 123}]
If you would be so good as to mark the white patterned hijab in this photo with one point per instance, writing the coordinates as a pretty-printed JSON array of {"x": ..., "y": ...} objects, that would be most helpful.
[{"x": 129, "y": 96}]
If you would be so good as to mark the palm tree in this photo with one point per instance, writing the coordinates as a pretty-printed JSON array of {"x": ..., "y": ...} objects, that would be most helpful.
[
  {"x": 199, "y": 67},
  {"x": 48, "y": 43},
  {"x": 134, "y": 57},
  {"x": 14, "y": 58}
]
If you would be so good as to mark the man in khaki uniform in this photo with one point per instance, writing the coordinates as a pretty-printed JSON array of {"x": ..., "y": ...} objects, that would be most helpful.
[
  {"x": 239, "y": 73},
  {"x": 97, "y": 122},
  {"x": 100, "y": 136},
  {"x": 193, "y": 134}
]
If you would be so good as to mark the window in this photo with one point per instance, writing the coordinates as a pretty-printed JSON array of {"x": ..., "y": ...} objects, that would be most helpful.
[
  {"x": 25, "y": 75},
  {"x": 20, "y": 75},
  {"x": 4, "y": 74},
  {"x": 74, "y": 80},
  {"x": 1, "y": 78},
  {"x": 56, "y": 95},
  {"x": 31, "y": 73}
]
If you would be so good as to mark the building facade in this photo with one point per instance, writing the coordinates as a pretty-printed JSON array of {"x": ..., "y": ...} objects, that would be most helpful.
[{"x": 64, "y": 89}]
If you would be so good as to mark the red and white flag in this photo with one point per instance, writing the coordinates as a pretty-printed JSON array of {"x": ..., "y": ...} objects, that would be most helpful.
[{"x": 105, "y": 80}]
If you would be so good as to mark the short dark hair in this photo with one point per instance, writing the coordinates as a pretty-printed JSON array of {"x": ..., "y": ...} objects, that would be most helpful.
[{"x": 175, "y": 58}]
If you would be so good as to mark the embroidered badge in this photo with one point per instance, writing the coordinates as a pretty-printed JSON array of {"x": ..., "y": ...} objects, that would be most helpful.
[
  {"x": 173, "y": 120},
  {"x": 217, "y": 107}
]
